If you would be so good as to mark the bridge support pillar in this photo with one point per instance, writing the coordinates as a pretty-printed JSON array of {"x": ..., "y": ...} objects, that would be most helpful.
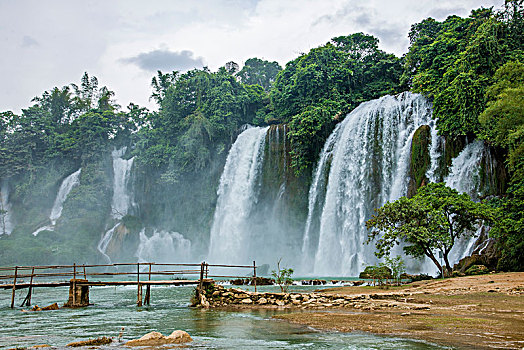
[{"x": 78, "y": 293}]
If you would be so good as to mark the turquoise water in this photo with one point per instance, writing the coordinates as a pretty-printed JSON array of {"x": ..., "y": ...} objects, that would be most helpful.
[{"x": 211, "y": 329}]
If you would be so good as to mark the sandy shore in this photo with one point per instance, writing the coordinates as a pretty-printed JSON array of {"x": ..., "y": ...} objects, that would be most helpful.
[{"x": 480, "y": 312}]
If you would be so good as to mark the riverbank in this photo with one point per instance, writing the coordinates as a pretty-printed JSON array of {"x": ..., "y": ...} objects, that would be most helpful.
[{"x": 481, "y": 312}]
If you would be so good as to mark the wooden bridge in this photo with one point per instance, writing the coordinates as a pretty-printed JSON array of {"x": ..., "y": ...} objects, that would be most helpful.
[{"x": 80, "y": 277}]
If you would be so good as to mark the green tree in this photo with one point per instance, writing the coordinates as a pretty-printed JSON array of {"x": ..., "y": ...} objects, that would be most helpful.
[
  {"x": 282, "y": 277},
  {"x": 397, "y": 267},
  {"x": 161, "y": 83},
  {"x": 503, "y": 126},
  {"x": 432, "y": 220},
  {"x": 329, "y": 80},
  {"x": 259, "y": 72}
]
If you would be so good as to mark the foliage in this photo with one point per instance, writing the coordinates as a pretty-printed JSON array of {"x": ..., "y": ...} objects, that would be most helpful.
[
  {"x": 282, "y": 277},
  {"x": 396, "y": 266},
  {"x": 453, "y": 62},
  {"x": 503, "y": 126},
  {"x": 379, "y": 274},
  {"x": 330, "y": 79},
  {"x": 432, "y": 220},
  {"x": 200, "y": 112},
  {"x": 259, "y": 72}
]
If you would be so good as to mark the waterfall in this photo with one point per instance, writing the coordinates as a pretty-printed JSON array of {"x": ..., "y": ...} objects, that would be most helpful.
[
  {"x": 464, "y": 173},
  {"x": 5, "y": 210},
  {"x": 237, "y": 194},
  {"x": 66, "y": 187},
  {"x": 163, "y": 247},
  {"x": 104, "y": 242},
  {"x": 464, "y": 177},
  {"x": 370, "y": 156},
  {"x": 435, "y": 154},
  {"x": 317, "y": 189},
  {"x": 122, "y": 199}
]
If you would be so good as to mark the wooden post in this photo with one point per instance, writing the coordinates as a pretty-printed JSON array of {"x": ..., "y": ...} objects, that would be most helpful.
[
  {"x": 27, "y": 300},
  {"x": 207, "y": 269},
  {"x": 74, "y": 284},
  {"x": 139, "y": 291},
  {"x": 14, "y": 288},
  {"x": 255, "y": 275},
  {"x": 85, "y": 275},
  {"x": 148, "y": 289},
  {"x": 202, "y": 267}
]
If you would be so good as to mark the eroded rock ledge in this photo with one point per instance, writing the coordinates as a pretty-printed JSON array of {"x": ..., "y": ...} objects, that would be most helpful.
[{"x": 217, "y": 296}]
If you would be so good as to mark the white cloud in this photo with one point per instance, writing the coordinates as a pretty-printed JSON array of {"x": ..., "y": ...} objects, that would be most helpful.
[{"x": 51, "y": 43}]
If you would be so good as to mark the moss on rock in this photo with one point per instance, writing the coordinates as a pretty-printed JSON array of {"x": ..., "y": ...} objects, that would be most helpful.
[{"x": 419, "y": 159}]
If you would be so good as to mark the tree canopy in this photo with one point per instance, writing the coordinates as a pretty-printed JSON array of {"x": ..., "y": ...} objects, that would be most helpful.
[{"x": 432, "y": 220}]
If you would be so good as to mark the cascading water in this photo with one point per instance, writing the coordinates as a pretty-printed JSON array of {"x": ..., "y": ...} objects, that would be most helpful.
[
  {"x": 122, "y": 199},
  {"x": 464, "y": 173},
  {"x": 163, "y": 247},
  {"x": 237, "y": 194},
  {"x": 464, "y": 177},
  {"x": 6, "y": 224},
  {"x": 66, "y": 187},
  {"x": 435, "y": 153},
  {"x": 317, "y": 189},
  {"x": 369, "y": 165},
  {"x": 104, "y": 242}
]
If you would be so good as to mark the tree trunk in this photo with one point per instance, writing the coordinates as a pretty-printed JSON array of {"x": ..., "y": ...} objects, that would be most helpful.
[
  {"x": 448, "y": 267},
  {"x": 435, "y": 261}
]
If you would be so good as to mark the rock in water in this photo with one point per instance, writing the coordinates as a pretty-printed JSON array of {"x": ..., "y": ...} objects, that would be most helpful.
[
  {"x": 92, "y": 342},
  {"x": 156, "y": 339},
  {"x": 51, "y": 307},
  {"x": 180, "y": 337}
]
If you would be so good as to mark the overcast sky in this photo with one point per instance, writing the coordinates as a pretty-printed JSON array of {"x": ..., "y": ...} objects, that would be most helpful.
[{"x": 124, "y": 42}]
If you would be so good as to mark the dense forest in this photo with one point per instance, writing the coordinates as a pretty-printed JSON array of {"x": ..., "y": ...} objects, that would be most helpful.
[{"x": 471, "y": 69}]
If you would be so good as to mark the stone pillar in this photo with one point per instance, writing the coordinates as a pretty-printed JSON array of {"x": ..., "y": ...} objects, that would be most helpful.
[{"x": 78, "y": 294}]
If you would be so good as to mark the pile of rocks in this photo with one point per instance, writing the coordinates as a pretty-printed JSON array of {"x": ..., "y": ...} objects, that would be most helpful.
[{"x": 218, "y": 296}]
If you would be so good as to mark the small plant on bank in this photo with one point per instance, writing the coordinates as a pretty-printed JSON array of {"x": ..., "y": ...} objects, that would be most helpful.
[
  {"x": 282, "y": 277},
  {"x": 397, "y": 267},
  {"x": 379, "y": 274}
]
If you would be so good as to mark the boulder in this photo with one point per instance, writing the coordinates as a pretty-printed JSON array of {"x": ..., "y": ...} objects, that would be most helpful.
[
  {"x": 157, "y": 339},
  {"x": 51, "y": 307},
  {"x": 180, "y": 337},
  {"x": 477, "y": 270}
]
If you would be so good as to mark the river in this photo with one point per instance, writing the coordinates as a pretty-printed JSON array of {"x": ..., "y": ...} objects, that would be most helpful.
[{"x": 115, "y": 308}]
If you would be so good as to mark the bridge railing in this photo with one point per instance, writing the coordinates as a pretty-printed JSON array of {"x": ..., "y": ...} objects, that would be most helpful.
[{"x": 142, "y": 273}]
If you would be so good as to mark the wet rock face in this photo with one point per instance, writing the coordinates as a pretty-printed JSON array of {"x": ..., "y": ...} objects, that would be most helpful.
[{"x": 420, "y": 159}]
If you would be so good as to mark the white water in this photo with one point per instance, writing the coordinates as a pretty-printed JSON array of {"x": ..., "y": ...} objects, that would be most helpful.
[
  {"x": 6, "y": 224},
  {"x": 237, "y": 195},
  {"x": 64, "y": 190},
  {"x": 464, "y": 177},
  {"x": 163, "y": 247},
  {"x": 464, "y": 173},
  {"x": 317, "y": 188},
  {"x": 370, "y": 164},
  {"x": 435, "y": 153},
  {"x": 104, "y": 242},
  {"x": 122, "y": 199},
  {"x": 66, "y": 187}
]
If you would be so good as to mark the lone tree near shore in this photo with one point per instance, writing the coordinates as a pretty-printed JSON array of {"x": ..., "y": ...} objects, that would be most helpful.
[{"x": 431, "y": 221}]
